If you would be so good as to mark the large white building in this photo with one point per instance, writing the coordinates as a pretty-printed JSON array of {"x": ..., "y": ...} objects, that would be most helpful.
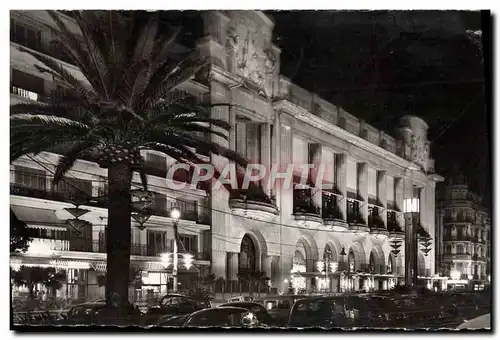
[{"x": 352, "y": 224}]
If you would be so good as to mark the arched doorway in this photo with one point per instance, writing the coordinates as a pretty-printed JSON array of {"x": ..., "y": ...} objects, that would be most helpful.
[
  {"x": 298, "y": 266},
  {"x": 351, "y": 262},
  {"x": 247, "y": 259},
  {"x": 247, "y": 263}
]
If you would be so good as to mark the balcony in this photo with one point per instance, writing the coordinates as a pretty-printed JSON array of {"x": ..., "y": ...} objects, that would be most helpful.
[
  {"x": 458, "y": 256},
  {"x": 304, "y": 209},
  {"x": 155, "y": 170},
  {"x": 252, "y": 202},
  {"x": 393, "y": 227},
  {"x": 332, "y": 216},
  {"x": 458, "y": 219},
  {"x": 355, "y": 220},
  {"x": 101, "y": 201},
  {"x": 60, "y": 196},
  {"x": 375, "y": 222},
  {"x": 455, "y": 238}
]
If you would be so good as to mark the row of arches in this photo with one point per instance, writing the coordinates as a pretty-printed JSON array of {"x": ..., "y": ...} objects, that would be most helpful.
[{"x": 352, "y": 258}]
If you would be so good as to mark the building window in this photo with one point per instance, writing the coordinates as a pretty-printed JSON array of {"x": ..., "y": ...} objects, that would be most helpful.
[
  {"x": 448, "y": 250},
  {"x": 460, "y": 249},
  {"x": 27, "y": 85},
  {"x": 25, "y": 36},
  {"x": 351, "y": 262},
  {"x": 190, "y": 242},
  {"x": 31, "y": 178},
  {"x": 157, "y": 242},
  {"x": 74, "y": 186},
  {"x": 156, "y": 161},
  {"x": 160, "y": 202}
]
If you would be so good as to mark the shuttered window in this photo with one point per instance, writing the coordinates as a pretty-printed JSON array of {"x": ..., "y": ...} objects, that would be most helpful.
[{"x": 29, "y": 177}]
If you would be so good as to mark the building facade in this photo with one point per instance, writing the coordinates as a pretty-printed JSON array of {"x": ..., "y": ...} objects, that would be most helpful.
[
  {"x": 353, "y": 224},
  {"x": 463, "y": 235}
]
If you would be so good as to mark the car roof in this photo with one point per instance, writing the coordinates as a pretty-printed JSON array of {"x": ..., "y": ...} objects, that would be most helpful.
[
  {"x": 227, "y": 308},
  {"x": 239, "y": 303}
]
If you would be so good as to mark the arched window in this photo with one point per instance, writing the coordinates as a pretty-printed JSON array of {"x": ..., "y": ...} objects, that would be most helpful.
[
  {"x": 351, "y": 261},
  {"x": 372, "y": 263},
  {"x": 328, "y": 253},
  {"x": 247, "y": 257},
  {"x": 390, "y": 264}
]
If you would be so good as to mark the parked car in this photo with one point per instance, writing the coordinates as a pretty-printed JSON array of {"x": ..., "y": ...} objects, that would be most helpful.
[
  {"x": 341, "y": 311},
  {"x": 172, "y": 320},
  {"x": 241, "y": 299},
  {"x": 95, "y": 312},
  {"x": 222, "y": 317},
  {"x": 279, "y": 306},
  {"x": 173, "y": 305},
  {"x": 262, "y": 315}
]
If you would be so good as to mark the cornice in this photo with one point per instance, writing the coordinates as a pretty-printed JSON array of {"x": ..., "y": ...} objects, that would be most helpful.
[
  {"x": 305, "y": 116},
  {"x": 218, "y": 74}
]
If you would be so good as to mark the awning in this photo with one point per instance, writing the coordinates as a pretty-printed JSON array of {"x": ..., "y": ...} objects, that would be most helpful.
[{"x": 36, "y": 217}]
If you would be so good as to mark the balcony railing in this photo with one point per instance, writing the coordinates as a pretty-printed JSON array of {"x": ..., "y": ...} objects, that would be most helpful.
[
  {"x": 331, "y": 209},
  {"x": 462, "y": 238},
  {"x": 458, "y": 219},
  {"x": 375, "y": 222},
  {"x": 303, "y": 202},
  {"x": 100, "y": 201},
  {"x": 154, "y": 170}
]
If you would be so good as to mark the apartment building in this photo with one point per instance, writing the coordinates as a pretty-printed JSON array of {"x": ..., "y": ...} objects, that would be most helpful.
[
  {"x": 354, "y": 225},
  {"x": 463, "y": 234}
]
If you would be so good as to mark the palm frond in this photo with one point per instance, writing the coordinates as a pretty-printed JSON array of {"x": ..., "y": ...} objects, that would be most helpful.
[
  {"x": 98, "y": 65},
  {"x": 167, "y": 78},
  {"x": 26, "y": 118},
  {"x": 55, "y": 69},
  {"x": 68, "y": 159},
  {"x": 146, "y": 41},
  {"x": 67, "y": 110}
]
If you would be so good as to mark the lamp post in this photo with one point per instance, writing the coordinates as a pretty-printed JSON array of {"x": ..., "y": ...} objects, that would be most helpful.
[
  {"x": 175, "y": 213},
  {"x": 411, "y": 209}
]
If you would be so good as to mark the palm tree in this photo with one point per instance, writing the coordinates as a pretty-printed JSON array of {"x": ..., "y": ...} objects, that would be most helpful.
[{"x": 125, "y": 106}]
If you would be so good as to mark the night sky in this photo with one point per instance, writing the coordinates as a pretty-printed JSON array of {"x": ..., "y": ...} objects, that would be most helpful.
[{"x": 381, "y": 65}]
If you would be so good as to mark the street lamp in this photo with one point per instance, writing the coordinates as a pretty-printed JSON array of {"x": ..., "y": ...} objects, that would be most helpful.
[
  {"x": 175, "y": 213},
  {"x": 411, "y": 209}
]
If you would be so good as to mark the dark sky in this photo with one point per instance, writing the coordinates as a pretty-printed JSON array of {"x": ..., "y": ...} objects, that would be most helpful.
[{"x": 381, "y": 65}]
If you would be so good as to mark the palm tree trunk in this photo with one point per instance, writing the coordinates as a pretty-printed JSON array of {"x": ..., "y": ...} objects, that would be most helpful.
[{"x": 118, "y": 233}]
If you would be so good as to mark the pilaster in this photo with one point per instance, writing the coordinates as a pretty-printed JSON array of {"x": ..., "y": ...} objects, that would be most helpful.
[
  {"x": 382, "y": 192},
  {"x": 341, "y": 181},
  {"x": 265, "y": 149},
  {"x": 315, "y": 154},
  {"x": 363, "y": 188}
]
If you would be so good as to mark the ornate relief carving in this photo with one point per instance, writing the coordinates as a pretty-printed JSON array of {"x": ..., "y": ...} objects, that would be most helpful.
[
  {"x": 419, "y": 150},
  {"x": 246, "y": 48}
]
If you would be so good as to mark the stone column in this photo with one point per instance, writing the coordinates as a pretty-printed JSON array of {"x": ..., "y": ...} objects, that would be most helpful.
[
  {"x": 232, "y": 132},
  {"x": 286, "y": 145},
  {"x": 398, "y": 198},
  {"x": 363, "y": 188},
  {"x": 428, "y": 218},
  {"x": 266, "y": 265},
  {"x": 220, "y": 217},
  {"x": 382, "y": 192},
  {"x": 265, "y": 149},
  {"x": 341, "y": 181},
  {"x": 315, "y": 153},
  {"x": 253, "y": 152}
]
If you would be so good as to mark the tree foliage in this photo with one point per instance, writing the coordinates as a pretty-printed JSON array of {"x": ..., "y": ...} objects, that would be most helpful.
[{"x": 31, "y": 276}]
